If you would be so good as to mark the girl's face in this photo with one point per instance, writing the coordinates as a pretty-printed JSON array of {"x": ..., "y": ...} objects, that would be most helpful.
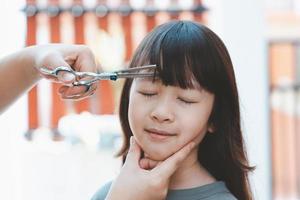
[{"x": 165, "y": 118}]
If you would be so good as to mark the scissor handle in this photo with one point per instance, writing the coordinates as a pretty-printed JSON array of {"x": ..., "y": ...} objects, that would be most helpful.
[{"x": 55, "y": 71}]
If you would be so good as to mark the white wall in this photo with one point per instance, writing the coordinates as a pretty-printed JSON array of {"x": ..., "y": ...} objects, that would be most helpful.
[
  {"x": 241, "y": 25},
  {"x": 13, "y": 120}
]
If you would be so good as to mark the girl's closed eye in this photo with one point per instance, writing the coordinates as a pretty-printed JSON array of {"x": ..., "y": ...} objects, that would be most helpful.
[
  {"x": 147, "y": 94},
  {"x": 186, "y": 101}
]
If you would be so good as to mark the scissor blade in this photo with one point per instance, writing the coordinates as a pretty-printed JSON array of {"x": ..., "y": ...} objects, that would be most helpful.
[
  {"x": 54, "y": 72},
  {"x": 135, "y": 75},
  {"x": 136, "y": 68}
]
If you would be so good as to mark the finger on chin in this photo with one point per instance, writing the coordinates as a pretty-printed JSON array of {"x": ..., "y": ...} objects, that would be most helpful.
[{"x": 148, "y": 164}]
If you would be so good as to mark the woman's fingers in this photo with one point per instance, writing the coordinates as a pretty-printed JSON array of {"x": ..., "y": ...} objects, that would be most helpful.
[
  {"x": 77, "y": 92},
  {"x": 134, "y": 153},
  {"x": 63, "y": 89},
  {"x": 76, "y": 57},
  {"x": 52, "y": 59},
  {"x": 169, "y": 166},
  {"x": 85, "y": 60},
  {"x": 79, "y": 57},
  {"x": 148, "y": 164},
  {"x": 66, "y": 77}
]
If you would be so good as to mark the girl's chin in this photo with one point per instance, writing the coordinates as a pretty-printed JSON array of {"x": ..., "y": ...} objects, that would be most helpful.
[{"x": 157, "y": 156}]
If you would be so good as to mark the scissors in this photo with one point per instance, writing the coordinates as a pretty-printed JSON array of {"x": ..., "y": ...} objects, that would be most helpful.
[{"x": 94, "y": 77}]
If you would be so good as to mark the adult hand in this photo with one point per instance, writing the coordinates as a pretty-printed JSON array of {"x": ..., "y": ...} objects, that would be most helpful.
[
  {"x": 134, "y": 182},
  {"x": 19, "y": 71},
  {"x": 77, "y": 57}
]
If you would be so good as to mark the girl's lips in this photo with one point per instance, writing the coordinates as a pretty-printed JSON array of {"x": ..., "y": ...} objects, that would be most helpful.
[{"x": 159, "y": 134}]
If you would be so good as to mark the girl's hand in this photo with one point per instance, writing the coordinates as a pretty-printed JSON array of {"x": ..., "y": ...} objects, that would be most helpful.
[{"x": 134, "y": 182}]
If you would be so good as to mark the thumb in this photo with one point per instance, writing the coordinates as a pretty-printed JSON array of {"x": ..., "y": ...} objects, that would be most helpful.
[
  {"x": 64, "y": 76},
  {"x": 53, "y": 60},
  {"x": 134, "y": 153}
]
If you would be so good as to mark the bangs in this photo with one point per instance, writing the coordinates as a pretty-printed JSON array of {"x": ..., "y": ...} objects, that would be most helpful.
[{"x": 178, "y": 50}]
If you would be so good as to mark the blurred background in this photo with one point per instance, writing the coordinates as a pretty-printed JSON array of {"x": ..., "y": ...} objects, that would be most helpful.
[{"x": 53, "y": 150}]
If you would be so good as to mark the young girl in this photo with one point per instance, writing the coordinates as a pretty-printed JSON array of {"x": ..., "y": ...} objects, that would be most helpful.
[{"x": 192, "y": 97}]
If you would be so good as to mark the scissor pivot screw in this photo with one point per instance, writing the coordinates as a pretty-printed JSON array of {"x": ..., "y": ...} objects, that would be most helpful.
[{"x": 113, "y": 77}]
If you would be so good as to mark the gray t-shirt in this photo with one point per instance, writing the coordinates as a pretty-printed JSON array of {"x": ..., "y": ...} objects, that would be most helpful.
[{"x": 213, "y": 191}]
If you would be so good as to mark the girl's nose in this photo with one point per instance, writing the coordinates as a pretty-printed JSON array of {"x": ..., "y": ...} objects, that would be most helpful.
[{"x": 163, "y": 112}]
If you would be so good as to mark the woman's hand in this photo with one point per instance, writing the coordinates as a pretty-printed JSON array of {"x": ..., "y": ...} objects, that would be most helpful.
[
  {"x": 77, "y": 57},
  {"x": 20, "y": 71},
  {"x": 134, "y": 182}
]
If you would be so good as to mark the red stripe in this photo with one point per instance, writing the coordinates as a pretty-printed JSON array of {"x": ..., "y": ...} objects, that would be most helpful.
[
  {"x": 82, "y": 105},
  {"x": 58, "y": 107},
  {"x": 126, "y": 24},
  {"x": 33, "y": 121},
  {"x": 106, "y": 102}
]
